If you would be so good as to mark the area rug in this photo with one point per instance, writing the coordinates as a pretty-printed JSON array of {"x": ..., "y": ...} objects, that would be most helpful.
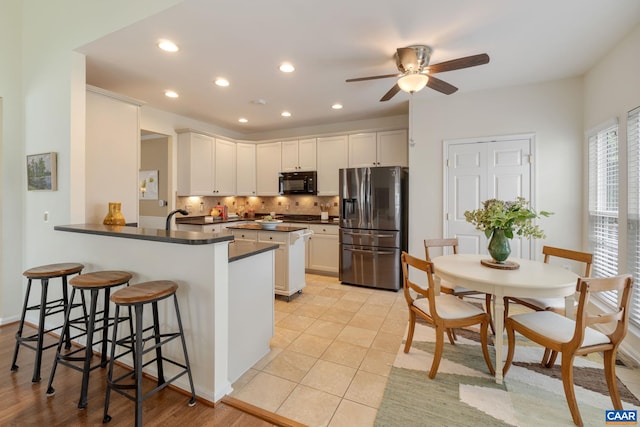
[{"x": 464, "y": 394}]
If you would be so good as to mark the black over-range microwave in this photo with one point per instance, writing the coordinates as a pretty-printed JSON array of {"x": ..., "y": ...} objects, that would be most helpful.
[{"x": 298, "y": 182}]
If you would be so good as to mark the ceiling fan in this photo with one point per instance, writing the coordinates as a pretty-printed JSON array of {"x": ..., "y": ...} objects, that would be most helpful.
[{"x": 416, "y": 73}]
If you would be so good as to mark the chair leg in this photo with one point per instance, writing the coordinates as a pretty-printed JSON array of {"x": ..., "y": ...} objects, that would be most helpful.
[
  {"x": 569, "y": 392},
  {"x": 14, "y": 366},
  {"x": 451, "y": 333},
  {"x": 40, "y": 340},
  {"x": 412, "y": 327},
  {"x": 484, "y": 338},
  {"x": 549, "y": 358},
  {"x": 511, "y": 337},
  {"x": 437, "y": 354},
  {"x": 610, "y": 375}
]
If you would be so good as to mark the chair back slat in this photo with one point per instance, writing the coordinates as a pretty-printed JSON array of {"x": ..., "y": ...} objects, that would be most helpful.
[
  {"x": 423, "y": 266},
  {"x": 440, "y": 243},
  {"x": 584, "y": 257}
]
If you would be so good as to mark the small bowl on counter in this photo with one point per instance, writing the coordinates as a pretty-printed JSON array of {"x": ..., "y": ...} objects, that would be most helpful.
[{"x": 268, "y": 225}]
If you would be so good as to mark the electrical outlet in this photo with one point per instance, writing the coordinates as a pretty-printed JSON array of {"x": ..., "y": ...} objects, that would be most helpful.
[
  {"x": 46, "y": 216},
  {"x": 162, "y": 203}
]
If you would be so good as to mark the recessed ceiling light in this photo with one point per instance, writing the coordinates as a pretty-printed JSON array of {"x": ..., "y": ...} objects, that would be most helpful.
[
  {"x": 170, "y": 94},
  {"x": 337, "y": 106},
  {"x": 168, "y": 46},
  {"x": 242, "y": 120},
  {"x": 287, "y": 67},
  {"x": 222, "y": 82},
  {"x": 285, "y": 114}
]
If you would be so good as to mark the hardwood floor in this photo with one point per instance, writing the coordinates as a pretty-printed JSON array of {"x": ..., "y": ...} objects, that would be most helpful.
[{"x": 23, "y": 403}]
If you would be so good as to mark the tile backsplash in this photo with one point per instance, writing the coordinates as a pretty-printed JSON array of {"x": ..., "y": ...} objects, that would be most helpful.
[{"x": 291, "y": 205}]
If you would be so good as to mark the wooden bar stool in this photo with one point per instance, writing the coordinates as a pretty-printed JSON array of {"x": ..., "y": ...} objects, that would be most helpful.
[
  {"x": 137, "y": 296},
  {"x": 86, "y": 324},
  {"x": 45, "y": 308}
]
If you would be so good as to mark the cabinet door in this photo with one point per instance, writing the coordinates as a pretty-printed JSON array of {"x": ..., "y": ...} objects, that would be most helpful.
[
  {"x": 195, "y": 164},
  {"x": 307, "y": 154},
  {"x": 362, "y": 150},
  {"x": 268, "y": 167},
  {"x": 324, "y": 253},
  {"x": 225, "y": 168},
  {"x": 290, "y": 156},
  {"x": 245, "y": 169},
  {"x": 393, "y": 148},
  {"x": 332, "y": 155}
]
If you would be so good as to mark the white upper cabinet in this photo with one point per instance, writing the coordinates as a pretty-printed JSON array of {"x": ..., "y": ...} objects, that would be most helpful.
[
  {"x": 246, "y": 169},
  {"x": 206, "y": 165},
  {"x": 332, "y": 155},
  {"x": 299, "y": 155},
  {"x": 225, "y": 168},
  {"x": 268, "y": 167},
  {"x": 195, "y": 164},
  {"x": 389, "y": 148}
]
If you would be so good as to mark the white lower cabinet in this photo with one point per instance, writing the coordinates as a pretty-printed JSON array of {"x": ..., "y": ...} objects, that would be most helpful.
[
  {"x": 206, "y": 228},
  {"x": 289, "y": 257},
  {"x": 324, "y": 249}
]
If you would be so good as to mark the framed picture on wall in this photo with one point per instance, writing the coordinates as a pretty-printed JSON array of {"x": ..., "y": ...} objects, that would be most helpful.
[
  {"x": 148, "y": 185},
  {"x": 42, "y": 172}
]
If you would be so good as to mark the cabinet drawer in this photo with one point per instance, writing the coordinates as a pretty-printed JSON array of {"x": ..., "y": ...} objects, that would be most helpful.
[
  {"x": 325, "y": 229},
  {"x": 245, "y": 234},
  {"x": 272, "y": 236}
]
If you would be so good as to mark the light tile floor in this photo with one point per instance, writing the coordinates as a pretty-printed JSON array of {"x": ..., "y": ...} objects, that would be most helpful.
[{"x": 331, "y": 355}]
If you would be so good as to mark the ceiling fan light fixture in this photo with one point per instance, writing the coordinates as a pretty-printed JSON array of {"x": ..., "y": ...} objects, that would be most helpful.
[{"x": 413, "y": 82}]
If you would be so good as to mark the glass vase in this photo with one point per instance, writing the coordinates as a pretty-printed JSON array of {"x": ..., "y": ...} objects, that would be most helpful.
[
  {"x": 499, "y": 247},
  {"x": 114, "y": 216}
]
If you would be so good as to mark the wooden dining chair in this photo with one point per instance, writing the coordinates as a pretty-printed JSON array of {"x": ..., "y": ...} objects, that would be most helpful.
[
  {"x": 443, "y": 311},
  {"x": 449, "y": 288},
  {"x": 577, "y": 337},
  {"x": 552, "y": 304}
]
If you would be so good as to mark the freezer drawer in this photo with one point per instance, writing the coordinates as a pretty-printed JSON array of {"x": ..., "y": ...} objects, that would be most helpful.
[
  {"x": 379, "y": 238},
  {"x": 370, "y": 266}
]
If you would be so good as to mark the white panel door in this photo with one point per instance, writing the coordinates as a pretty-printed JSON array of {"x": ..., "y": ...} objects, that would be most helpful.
[{"x": 480, "y": 171}]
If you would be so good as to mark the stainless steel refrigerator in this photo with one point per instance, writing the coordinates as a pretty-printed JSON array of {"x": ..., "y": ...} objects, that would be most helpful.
[{"x": 373, "y": 225}]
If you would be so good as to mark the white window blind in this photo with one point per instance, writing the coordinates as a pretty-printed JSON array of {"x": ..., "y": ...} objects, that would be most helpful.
[
  {"x": 603, "y": 203},
  {"x": 633, "y": 221}
]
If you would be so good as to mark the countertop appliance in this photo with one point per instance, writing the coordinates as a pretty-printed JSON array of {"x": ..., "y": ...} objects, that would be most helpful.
[
  {"x": 373, "y": 225},
  {"x": 298, "y": 182}
]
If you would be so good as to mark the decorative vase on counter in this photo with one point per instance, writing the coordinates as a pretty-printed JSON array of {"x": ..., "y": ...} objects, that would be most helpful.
[
  {"x": 114, "y": 216},
  {"x": 499, "y": 247}
]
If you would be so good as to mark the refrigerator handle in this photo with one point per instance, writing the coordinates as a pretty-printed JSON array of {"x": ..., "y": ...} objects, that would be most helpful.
[{"x": 369, "y": 251}]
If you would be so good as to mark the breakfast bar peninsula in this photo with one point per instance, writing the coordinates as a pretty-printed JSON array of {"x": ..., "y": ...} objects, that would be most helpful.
[{"x": 214, "y": 293}]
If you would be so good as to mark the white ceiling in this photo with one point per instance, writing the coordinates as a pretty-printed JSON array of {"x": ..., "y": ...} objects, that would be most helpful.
[{"x": 332, "y": 40}]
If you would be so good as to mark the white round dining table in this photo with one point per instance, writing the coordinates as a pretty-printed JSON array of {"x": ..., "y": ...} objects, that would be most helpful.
[{"x": 531, "y": 279}]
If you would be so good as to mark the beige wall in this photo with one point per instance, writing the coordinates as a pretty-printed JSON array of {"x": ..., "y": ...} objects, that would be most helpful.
[{"x": 155, "y": 155}]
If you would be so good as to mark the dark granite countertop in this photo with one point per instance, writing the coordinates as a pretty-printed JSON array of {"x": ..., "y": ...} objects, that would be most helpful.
[
  {"x": 200, "y": 220},
  {"x": 153, "y": 234},
  {"x": 239, "y": 249},
  {"x": 282, "y": 228}
]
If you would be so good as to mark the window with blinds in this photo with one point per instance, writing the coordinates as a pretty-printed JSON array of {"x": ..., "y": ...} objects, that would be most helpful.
[
  {"x": 603, "y": 202},
  {"x": 633, "y": 217}
]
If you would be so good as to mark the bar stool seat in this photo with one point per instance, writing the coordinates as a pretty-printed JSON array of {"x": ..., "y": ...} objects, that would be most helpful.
[
  {"x": 137, "y": 296},
  {"x": 45, "y": 309},
  {"x": 80, "y": 359}
]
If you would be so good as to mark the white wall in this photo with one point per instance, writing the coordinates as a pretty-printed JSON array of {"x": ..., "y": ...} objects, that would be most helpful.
[{"x": 552, "y": 111}]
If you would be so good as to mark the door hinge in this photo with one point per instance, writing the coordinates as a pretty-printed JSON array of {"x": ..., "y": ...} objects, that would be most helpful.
[
  {"x": 446, "y": 216},
  {"x": 530, "y": 158},
  {"x": 447, "y": 163}
]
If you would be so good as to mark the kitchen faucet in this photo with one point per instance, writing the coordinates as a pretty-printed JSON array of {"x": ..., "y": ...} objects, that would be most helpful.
[{"x": 172, "y": 213}]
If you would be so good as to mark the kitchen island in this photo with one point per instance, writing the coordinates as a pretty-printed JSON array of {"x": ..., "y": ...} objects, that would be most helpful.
[
  {"x": 214, "y": 293},
  {"x": 289, "y": 257}
]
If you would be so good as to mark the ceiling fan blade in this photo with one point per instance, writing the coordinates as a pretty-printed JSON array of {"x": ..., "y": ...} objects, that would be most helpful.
[
  {"x": 387, "y": 96},
  {"x": 456, "y": 64},
  {"x": 408, "y": 58},
  {"x": 359, "y": 79},
  {"x": 441, "y": 86}
]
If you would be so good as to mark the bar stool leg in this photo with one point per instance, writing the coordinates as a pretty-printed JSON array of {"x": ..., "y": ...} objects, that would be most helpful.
[
  {"x": 66, "y": 330},
  {"x": 106, "y": 418},
  {"x": 82, "y": 404},
  {"x": 105, "y": 331},
  {"x": 43, "y": 303},
  {"x": 138, "y": 364},
  {"x": 192, "y": 402},
  {"x": 14, "y": 367},
  {"x": 156, "y": 333}
]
